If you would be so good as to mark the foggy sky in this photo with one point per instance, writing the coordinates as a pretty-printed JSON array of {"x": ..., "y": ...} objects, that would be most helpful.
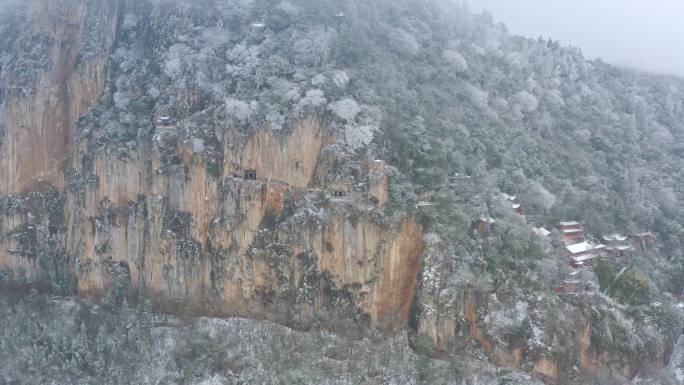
[{"x": 644, "y": 34}]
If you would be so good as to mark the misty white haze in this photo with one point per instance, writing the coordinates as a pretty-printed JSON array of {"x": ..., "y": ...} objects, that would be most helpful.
[{"x": 634, "y": 33}]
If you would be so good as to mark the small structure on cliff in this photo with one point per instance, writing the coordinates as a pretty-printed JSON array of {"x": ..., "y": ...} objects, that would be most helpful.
[
  {"x": 422, "y": 205},
  {"x": 582, "y": 254},
  {"x": 484, "y": 224},
  {"x": 642, "y": 239},
  {"x": 616, "y": 245},
  {"x": 569, "y": 286},
  {"x": 580, "y": 281},
  {"x": 250, "y": 174},
  {"x": 457, "y": 179},
  {"x": 166, "y": 121},
  {"x": 426, "y": 196},
  {"x": 609, "y": 239},
  {"x": 517, "y": 207},
  {"x": 260, "y": 22},
  {"x": 541, "y": 231},
  {"x": 511, "y": 198}
]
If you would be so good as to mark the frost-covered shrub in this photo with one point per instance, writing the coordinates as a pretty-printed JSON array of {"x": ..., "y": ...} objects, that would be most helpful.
[
  {"x": 340, "y": 79},
  {"x": 402, "y": 196},
  {"x": 346, "y": 109},
  {"x": 527, "y": 102},
  {"x": 276, "y": 119},
  {"x": 404, "y": 42},
  {"x": 478, "y": 97},
  {"x": 538, "y": 197},
  {"x": 357, "y": 137},
  {"x": 243, "y": 59},
  {"x": 242, "y": 111},
  {"x": 313, "y": 48},
  {"x": 516, "y": 60},
  {"x": 459, "y": 63},
  {"x": 319, "y": 80},
  {"x": 502, "y": 321},
  {"x": 291, "y": 95},
  {"x": 312, "y": 99},
  {"x": 130, "y": 21},
  {"x": 174, "y": 66},
  {"x": 121, "y": 99}
]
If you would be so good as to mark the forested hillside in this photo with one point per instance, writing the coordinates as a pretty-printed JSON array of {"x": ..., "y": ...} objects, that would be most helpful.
[{"x": 361, "y": 174}]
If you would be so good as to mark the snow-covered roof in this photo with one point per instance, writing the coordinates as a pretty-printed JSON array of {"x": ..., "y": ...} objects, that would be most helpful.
[
  {"x": 614, "y": 238},
  {"x": 459, "y": 176},
  {"x": 583, "y": 258},
  {"x": 509, "y": 197},
  {"x": 571, "y": 223},
  {"x": 515, "y": 206},
  {"x": 425, "y": 204},
  {"x": 645, "y": 234},
  {"x": 623, "y": 248},
  {"x": 542, "y": 232},
  {"x": 489, "y": 220},
  {"x": 571, "y": 231},
  {"x": 580, "y": 248}
]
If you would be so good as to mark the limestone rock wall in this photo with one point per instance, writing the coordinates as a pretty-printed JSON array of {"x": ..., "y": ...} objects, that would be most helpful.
[
  {"x": 562, "y": 338},
  {"x": 151, "y": 214},
  {"x": 50, "y": 87},
  {"x": 191, "y": 237}
]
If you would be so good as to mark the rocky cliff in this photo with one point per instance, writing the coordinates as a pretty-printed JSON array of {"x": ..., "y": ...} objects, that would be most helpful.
[
  {"x": 153, "y": 215},
  {"x": 50, "y": 85},
  {"x": 132, "y": 168}
]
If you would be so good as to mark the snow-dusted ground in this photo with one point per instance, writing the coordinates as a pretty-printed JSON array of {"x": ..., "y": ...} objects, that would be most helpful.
[
  {"x": 676, "y": 366},
  {"x": 66, "y": 342}
]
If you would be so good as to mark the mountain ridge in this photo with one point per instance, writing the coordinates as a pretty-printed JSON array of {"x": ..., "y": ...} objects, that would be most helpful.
[{"x": 343, "y": 165}]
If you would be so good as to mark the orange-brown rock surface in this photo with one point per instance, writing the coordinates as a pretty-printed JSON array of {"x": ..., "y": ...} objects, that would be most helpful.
[{"x": 40, "y": 114}]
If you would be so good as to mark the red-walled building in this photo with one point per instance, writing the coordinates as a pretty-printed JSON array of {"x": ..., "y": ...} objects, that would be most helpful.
[
  {"x": 573, "y": 232},
  {"x": 582, "y": 254}
]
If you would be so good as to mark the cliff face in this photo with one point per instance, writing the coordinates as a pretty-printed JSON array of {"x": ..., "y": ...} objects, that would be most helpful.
[
  {"x": 55, "y": 74},
  {"x": 193, "y": 240},
  {"x": 101, "y": 198},
  {"x": 553, "y": 337},
  {"x": 50, "y": 87},
  {"x": 225, "y": 245}
]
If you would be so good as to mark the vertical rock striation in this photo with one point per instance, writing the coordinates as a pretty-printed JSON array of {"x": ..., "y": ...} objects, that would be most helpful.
[{"x": 51, "y": 85}]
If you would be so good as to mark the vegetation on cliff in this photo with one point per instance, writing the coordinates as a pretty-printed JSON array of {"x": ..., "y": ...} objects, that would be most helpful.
[{"x": 329, "y": 97}]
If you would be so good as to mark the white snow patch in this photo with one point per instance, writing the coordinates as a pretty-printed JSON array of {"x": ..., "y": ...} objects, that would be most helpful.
[{"x": 216, "y": 380}]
